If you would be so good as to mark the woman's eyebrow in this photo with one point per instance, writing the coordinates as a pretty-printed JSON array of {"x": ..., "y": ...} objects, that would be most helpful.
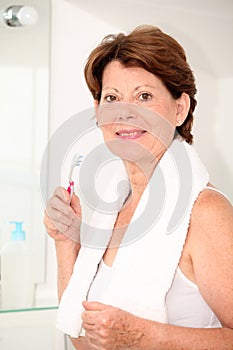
[
  {"x": 143, "y": 86},
  {"x": 135, "y": 89},
  {"x": 110, "y": 88}
]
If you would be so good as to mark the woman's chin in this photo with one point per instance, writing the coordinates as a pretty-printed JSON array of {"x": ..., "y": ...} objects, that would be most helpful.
[{"x": 131, "y": 151}]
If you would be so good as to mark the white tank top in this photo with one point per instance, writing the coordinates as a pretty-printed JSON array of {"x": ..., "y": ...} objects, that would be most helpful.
[{"x": 185, "y": 305}]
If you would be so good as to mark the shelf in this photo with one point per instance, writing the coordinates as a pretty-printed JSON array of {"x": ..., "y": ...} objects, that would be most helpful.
[{"x": 28, "y": 309}]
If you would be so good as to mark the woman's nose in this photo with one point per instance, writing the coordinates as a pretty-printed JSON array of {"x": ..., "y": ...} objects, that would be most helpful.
[
  {"x": 126, "y": 112},
  {"x": 123, "y": 117}
]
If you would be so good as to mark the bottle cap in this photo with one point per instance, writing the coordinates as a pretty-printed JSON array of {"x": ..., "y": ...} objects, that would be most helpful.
[{"x": 18, "y": 234}]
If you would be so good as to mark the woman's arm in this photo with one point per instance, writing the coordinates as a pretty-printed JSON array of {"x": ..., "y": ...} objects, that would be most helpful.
[
  {"x": 66, "y": 252},
  {"x": 62, "y": 221},
  {"x": 110, "y": 328},
  {"x": 211, "y": 242},
  {"x": 211, "y": 250}
]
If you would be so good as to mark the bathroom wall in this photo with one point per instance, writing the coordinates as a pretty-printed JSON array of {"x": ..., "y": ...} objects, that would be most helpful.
[{"x": 204, "y": 28}]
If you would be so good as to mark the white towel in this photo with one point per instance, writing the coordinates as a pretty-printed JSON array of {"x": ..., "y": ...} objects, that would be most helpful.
[{"x": 149, "y": 254}]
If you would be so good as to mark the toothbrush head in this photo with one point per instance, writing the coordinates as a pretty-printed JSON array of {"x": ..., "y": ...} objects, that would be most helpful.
[{"x": 76, "y": 161}]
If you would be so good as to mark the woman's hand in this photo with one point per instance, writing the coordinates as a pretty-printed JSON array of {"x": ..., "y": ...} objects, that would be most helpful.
[
  {"x": 62, "y": 218},
  {"x": 80, "y": 343},
  {"x": 109, "y": 328}
]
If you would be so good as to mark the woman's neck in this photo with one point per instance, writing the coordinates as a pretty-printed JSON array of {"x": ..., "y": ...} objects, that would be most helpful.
[{"x": 139, "y": 176}]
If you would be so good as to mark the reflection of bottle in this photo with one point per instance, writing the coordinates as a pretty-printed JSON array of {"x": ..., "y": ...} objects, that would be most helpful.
[{"x": 17, "y": 287}]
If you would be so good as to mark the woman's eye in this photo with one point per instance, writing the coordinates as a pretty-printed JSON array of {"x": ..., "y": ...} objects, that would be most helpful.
[
  {"x": 110, "y": 98},
  {"x": 145, "y": 96}
]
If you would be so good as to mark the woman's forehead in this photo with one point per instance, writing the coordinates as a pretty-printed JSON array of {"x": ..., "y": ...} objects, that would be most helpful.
[{"x": 116, "y": 73}]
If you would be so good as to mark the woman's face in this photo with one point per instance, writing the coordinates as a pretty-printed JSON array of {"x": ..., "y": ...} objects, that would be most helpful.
[{"x": 133, "y": 136}]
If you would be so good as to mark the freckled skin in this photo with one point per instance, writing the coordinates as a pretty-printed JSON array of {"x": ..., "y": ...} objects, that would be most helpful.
[{"x": 113, "y": 329}]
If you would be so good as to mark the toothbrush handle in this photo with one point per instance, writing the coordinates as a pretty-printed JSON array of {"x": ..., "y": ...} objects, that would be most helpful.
[{"x": 70, "y": 189}]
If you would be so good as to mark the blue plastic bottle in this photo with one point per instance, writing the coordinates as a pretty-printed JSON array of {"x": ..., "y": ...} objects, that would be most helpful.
[{"x": 16, "y": 282}]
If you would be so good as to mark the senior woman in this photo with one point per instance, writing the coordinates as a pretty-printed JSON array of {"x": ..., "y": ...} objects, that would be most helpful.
[{"x": 146, "y": 71}]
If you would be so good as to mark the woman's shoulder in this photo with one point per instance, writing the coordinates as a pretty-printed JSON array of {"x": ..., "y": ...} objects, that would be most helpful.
[
  {"x": 211, "y": 200},
  {"x": 212, "y": 213}
]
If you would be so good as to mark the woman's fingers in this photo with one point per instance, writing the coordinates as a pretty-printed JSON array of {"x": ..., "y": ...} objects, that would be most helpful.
[
  {"x": 61, "y": 193},
  {"x": 59, "y": 204},
  {"x": 61, "y": 216},
  {"x": 52, "y": 230},
  {"x": 75, "y": 204}
]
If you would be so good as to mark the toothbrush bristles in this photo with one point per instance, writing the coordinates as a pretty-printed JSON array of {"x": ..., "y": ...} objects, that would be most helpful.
[{"x": 76, "y": 161}]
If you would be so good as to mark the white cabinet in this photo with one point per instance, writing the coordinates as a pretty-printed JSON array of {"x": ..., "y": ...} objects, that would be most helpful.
[{"x": 27, "y": 330}]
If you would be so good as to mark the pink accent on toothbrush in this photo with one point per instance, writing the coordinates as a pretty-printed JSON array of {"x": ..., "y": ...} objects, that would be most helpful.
[{"x": 71, "y": 184}]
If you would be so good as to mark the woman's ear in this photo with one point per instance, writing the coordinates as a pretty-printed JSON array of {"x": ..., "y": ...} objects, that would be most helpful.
[
  {"x": 183, "y": 105},
  {"x": 96, "y": 104}
]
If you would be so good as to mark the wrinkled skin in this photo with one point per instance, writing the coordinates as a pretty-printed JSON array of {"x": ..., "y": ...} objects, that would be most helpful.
[{"x": 109, "y": 328}]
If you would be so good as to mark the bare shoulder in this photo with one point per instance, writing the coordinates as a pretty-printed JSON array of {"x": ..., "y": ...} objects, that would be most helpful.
[
  {"x": 211, "y": 224},
  {"x": 212, "y": 208},
  {"x": 211, "y": 252}
]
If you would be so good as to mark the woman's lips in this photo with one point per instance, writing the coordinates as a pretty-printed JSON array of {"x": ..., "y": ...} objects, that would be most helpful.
[{"x": 130, "y": 134}]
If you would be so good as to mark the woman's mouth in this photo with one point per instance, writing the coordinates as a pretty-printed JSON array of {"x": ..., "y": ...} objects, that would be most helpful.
[{"x": 130, "y": 134}]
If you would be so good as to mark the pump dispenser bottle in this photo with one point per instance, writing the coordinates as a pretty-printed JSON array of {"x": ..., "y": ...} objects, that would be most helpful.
[{"x": 17, "y": 288}]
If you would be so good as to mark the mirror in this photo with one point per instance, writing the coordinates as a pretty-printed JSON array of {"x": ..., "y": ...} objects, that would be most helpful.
[{"x": 24, "y": 91}]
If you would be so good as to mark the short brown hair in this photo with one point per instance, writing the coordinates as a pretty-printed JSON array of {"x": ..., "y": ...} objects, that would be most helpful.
[{"x": 150, "y": 48}]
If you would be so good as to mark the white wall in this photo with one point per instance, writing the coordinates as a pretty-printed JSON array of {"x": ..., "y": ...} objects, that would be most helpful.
[{"x": 78, "y": 26}]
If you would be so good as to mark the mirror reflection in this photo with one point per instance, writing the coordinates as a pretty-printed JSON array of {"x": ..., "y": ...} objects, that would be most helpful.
[{"x": 24, "y": 91}]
